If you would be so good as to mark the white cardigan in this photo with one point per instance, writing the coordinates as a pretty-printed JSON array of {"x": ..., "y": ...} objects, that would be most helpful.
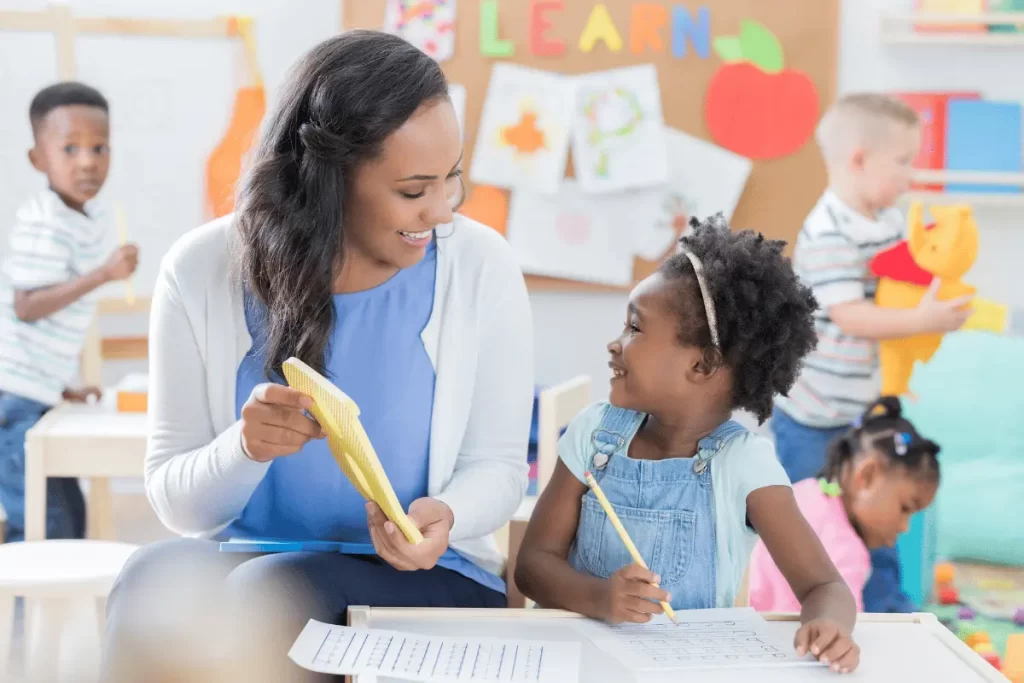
[{"x": 479, "y": 338}]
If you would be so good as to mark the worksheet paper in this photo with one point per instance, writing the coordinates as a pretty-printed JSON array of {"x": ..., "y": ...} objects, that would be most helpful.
[
  {"x": 330, "y": 649},
  {"x": 704, "y": 639}
]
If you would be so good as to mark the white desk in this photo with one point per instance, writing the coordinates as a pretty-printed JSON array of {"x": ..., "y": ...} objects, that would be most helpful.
[
  {"x": 90, "y": 441},
  {"x": 894, "y": 648}
]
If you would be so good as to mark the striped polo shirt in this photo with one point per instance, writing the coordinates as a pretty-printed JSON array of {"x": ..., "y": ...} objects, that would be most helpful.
[
  {"x": 48, "y": 244},
  {"x": 840, "y": 377}
]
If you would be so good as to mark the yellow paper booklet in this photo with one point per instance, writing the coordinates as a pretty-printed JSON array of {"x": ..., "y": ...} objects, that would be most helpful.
[{"x": 339, "y": 416}]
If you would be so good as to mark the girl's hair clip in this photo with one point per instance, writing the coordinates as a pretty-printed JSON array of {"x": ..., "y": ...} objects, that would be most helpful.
[
  {"x": 830, "y": 488},
  {"x": 901, "y": 440}
]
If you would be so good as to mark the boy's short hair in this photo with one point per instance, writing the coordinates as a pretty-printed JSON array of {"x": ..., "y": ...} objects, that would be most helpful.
[
  {"x": 65, "y": 94},
  {"x": 861, "y": 119}
]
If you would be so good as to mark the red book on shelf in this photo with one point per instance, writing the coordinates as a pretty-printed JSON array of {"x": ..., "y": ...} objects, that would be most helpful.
[{"x": 931, "y": 108}]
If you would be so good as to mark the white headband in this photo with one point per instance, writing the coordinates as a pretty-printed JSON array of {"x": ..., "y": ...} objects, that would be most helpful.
[{"x": 709, "y": 304}]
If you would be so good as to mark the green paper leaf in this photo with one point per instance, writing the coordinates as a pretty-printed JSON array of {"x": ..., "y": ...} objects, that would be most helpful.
[
  {"x": 761, "y": 47},
  {"x": 729, "y": 48}
]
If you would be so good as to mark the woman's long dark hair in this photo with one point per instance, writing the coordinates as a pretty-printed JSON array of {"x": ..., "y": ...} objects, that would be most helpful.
[{"x": 343, "y": 99}]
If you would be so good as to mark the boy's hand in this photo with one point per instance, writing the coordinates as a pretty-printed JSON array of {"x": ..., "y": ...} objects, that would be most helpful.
[
  {"x": 939, "y": 317},
  {"x": 122, "y": 263},
  {"x": 630, "y": 595},
  {"x": 83, "y": 395},
  {"x": 829, "y": 641}
]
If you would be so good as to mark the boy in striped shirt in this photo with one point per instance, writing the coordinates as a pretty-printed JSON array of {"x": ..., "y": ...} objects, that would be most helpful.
[
  {"x": 869, "y": 142},
  {"x": 61, "y": 251}
]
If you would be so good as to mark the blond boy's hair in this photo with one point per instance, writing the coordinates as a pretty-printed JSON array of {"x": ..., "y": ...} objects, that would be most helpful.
[{"x": 861, "y": 120}]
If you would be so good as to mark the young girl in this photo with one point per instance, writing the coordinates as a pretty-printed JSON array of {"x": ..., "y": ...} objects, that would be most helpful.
[
  {"x": 876, "y": 476},
  {"x": 722, "y": 325}
]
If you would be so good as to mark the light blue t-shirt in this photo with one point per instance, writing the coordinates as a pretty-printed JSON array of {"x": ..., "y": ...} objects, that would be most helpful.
[{"x": 376, "y": 356}]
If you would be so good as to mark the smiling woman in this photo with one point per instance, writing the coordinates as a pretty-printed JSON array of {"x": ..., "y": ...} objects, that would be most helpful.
[{"x": 334, "y": 257}]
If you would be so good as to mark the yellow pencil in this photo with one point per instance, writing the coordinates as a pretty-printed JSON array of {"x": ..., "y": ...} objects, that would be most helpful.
[
  {"x": 614, "y": 519},
  {"x": 122, "y": 231}
]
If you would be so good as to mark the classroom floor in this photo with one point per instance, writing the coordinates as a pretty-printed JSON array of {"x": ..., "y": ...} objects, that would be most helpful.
[{"x": 995, "y": 593}]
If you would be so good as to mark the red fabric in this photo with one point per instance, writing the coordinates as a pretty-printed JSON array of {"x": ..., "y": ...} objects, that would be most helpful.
[{"x": 897, "y": 263}]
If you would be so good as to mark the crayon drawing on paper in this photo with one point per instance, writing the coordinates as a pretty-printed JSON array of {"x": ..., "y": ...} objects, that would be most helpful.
[{"x": 523, "y": 139}]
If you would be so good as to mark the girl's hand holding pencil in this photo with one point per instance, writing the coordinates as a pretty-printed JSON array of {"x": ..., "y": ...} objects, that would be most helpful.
[
  {"x": 121, "y": 263},
  {"x": 632, "y": 596}
]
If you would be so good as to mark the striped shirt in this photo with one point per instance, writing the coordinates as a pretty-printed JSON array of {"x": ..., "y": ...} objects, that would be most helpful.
[
  {"x": 840, "y": 377},
  {"x": 49, "y": 244}
]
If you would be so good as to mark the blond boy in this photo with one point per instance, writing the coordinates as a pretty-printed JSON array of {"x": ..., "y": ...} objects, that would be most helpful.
[{"x": 868, "y": 141}]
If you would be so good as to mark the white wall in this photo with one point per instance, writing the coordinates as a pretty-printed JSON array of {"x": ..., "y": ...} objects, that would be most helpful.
[{"x": 572, "y": 329}]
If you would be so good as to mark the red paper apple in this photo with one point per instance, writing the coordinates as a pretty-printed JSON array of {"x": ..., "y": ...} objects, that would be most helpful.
[{"x": 755, "y": 106}]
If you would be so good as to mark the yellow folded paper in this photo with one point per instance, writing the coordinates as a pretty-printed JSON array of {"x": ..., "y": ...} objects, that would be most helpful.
[{"x": 338, "y": 414}]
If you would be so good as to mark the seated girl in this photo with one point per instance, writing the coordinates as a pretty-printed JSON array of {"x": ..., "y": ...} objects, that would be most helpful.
[
  {"x": 876, "y": 476},
  {"x": 722, "y": 325}
]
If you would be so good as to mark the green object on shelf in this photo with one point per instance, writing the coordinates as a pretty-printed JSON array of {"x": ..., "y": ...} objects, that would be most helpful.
[{"x": 1006, "y": 6}]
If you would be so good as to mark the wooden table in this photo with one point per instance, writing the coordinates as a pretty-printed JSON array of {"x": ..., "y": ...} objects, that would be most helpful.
[
  {"x": 895, "y": 648},
  {"x": 89, "y": 441}
]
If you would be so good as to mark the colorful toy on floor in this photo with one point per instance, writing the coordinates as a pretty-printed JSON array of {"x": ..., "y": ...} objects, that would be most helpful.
[
  {"x": 943, "y": 250},
  {"x": 977, "y": 638},
  {"x": 1013, "y": 662},
  {"x": 944, "y": 573},
  {"x": 948, "y": 595},
  {"x": 965, "y": 614},
  {"x": 1018, "y": 616}
]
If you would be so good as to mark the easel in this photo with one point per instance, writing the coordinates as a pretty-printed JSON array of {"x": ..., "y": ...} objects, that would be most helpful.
[{"x": 58, "y": 20}]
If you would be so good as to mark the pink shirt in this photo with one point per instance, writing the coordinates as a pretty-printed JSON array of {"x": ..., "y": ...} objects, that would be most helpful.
[{"x": 769, "y": 591}]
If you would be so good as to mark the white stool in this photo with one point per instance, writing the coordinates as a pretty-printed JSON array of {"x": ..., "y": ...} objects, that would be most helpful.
[{"x": 61, "y": 582}]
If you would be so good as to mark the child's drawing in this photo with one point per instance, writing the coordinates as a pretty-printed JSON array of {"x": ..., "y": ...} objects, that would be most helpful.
[
  {"x": 427, "y": 24},
  {"x": 704, "y": 179},
  {"x": 618, "y": 141},
  {"x": 523, "y": 140},
  {"x": 572, "y": 235}
]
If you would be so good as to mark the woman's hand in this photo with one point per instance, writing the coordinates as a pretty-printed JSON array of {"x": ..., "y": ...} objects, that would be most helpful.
[
  {"x": 830, "y": 642},
  {"x": 274, "y": 424},
  {"x": 433, "y": 518}
]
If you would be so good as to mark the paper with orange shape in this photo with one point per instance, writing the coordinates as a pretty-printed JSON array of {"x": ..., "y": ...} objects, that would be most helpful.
[
  {"x": 427, "y": 24},
  {"x": 618, "y": 140},
  {"x": 487, "y": 205},
  {"x": 523, "y": 139},
  {"x": 573, "y": 235},
  {"x": 338, "y": 415}
]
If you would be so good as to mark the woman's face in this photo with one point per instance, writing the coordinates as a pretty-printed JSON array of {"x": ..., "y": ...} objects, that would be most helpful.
[{"x": 399, "y": 198}]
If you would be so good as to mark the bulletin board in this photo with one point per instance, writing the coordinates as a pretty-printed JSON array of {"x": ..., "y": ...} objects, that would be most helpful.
[{"x": 780, "y": 191}]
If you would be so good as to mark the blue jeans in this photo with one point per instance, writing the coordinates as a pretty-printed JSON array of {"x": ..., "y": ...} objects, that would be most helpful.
[
  {"x": 801, "y": 450},
  {"x": 165, "y": 591},
  {"x": 65, "y": 505}
]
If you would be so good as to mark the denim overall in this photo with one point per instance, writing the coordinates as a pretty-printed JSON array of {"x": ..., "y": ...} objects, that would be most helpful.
[{"x": 666, "y": 506}]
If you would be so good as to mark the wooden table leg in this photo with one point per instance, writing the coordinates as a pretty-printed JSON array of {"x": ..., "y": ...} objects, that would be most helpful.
[
  {"x": 35, "y": 489},
  {"x": 100, "y": 514}
]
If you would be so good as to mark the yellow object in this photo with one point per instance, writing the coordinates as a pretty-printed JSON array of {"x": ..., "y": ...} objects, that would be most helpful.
[
  {"x": 946, "y": 250},
  {"x": 122, "y": 235},
  {"x": 983, "y": 647},
  {"x": 944, "y": 573},
  {"x": 987, "y": 316},
  {"x": 339, "y": 416},
  {"x": 1013, "y": 663},
  {"x": 614, "y": 519},
  {"x": 977, "y": 638},
  {"x": 600, "y": 27}
]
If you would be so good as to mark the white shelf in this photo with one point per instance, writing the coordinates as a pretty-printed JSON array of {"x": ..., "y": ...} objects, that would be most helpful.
[
  {"x": 900, "y": 29},
  {"x": 980, "y": 198}
]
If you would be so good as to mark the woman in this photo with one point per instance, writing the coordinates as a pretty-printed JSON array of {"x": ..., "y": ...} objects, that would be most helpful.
[{"x": 333, "y": 257}]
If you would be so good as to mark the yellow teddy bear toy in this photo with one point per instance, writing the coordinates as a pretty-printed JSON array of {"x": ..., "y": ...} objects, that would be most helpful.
[{"x": 943, "y": 250}]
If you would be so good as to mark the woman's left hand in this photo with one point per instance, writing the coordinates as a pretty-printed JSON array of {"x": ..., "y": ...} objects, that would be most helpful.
[
  {"x": 830, "y": 642},
  {"x": 433, "y": 518}
]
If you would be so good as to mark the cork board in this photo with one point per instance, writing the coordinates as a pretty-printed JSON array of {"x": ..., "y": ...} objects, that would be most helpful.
[{"x": 780, "y": 191}]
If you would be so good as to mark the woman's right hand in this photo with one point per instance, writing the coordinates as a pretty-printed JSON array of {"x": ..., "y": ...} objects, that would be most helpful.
[
  {"x": 630, "y": 595},
  {"x": 274, "y": 423}
]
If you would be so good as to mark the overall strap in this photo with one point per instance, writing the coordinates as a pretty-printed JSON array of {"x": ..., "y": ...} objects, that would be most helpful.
[
  {"x": 613, "y": 434},
  {"x": 713, "y": 443}
]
